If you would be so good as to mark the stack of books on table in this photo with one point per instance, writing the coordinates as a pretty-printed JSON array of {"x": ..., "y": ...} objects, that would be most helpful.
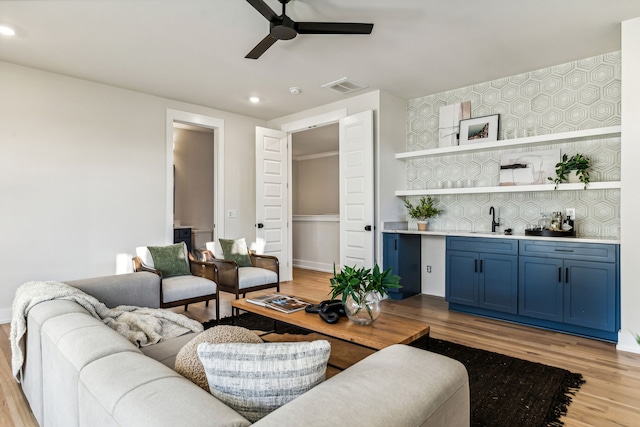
[{"x": 283, "y": 303}]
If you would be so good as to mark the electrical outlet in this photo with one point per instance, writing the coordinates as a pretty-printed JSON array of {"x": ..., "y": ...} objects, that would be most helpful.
[
  {"x": 571, "y": 212},
  {"x": 232, "y": 213},
  {"x": 428, "y": 269}
]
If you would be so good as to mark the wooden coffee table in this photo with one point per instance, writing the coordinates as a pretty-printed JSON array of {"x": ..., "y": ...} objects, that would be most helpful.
[{"x": 387, "y": 330}]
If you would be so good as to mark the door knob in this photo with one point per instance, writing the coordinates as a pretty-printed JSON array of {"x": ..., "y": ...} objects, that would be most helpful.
[
  {"x": 260, "y": 225},
  {"x": 367, "y": 228}
]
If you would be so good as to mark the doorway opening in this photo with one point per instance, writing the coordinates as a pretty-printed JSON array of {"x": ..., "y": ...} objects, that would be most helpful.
[
  {"x": 194, "y": 184},
  {"x": 204, "y": 195},
  {"x": 315, "y": 198}
]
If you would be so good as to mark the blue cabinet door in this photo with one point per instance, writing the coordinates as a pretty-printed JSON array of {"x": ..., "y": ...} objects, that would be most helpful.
[
  {"x": 402, "y": 253},
  {"x": 498, "y": 282},
  {"x": 589, "y": 294},
  {"x": 462, "y": 277},
  {"x": 540, "y": 287}
]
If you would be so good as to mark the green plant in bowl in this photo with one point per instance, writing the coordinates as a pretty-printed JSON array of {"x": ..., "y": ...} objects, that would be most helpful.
[{"x": 578, "y": 163}]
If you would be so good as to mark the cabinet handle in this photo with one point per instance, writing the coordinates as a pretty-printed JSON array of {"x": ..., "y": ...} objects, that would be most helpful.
[
  {"x": 563, "y": 250},
  {"x": 395, "y": 245},
  {"x": 480, "y": 266},
  {"x": 566, "y": 275},
  {"x": 559, "y": 274}
]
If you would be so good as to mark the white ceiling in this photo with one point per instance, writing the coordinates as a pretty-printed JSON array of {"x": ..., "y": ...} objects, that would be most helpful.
[{"x": 193, "y": 50}]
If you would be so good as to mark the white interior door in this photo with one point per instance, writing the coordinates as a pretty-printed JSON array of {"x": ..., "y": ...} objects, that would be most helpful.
[
  {"x": 272, "y": 197},
  {"x": 356, "y": 190}
]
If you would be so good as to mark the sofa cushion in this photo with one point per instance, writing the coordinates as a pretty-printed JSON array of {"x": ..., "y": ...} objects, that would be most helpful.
[
  {"x": 171, "y": 260},
  {"x": 132, "y": 390},
  {"x": 187, "y": 361},
  {"x": 236, "y": 250},
  {"x": 255, "y": 379},
  {"x": 166, "y": 351}
]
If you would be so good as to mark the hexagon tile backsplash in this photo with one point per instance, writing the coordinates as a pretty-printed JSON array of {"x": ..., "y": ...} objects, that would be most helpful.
[{"x": 579, "y": 95}]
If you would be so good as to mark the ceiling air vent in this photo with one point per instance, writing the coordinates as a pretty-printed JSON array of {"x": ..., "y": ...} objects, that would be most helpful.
[{"x": 344, "y": 86}]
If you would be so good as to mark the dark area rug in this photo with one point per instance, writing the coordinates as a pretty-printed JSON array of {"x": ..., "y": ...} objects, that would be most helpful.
[{"x": 505, "y": 391}]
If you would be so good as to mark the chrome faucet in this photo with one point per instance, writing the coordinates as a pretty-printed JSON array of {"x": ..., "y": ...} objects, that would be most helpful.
[{"x": 494, "y": 224}]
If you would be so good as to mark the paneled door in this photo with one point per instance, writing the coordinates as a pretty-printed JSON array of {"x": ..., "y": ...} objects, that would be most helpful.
[
  {"x": 356, "y": 190},
  {"x": 272, "y": 196}
]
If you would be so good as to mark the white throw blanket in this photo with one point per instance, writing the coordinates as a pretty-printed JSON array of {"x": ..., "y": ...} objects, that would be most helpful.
[{"x": 141, "y": 326}]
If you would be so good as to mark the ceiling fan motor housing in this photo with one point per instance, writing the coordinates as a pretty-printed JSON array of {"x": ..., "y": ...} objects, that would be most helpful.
[{"x": 283, "y": 28}]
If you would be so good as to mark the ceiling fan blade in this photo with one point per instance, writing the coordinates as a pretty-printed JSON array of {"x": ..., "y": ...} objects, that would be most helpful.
[
  {"x": 332, "y": 28},
  {"x": 261, "y": 47},
  {"x": 262, "y": 7}
]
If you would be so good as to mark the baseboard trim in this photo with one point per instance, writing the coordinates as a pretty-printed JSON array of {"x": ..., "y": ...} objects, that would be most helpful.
[
  {"x": 627, "y": 342},
  {"x": 313, "y": 265},
  {"x": 5, "y": 315}
]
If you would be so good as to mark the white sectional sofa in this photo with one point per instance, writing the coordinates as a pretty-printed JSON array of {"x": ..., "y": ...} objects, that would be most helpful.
[{"x": 80, "y": 372}]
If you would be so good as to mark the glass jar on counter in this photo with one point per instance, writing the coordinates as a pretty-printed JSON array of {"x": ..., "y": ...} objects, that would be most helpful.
[{"x": 544, "y": 223}]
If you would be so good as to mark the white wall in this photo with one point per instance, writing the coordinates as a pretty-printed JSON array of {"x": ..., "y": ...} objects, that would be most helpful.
[
  {"x": 83, "y": 175},
  {"x": 630, "y": 203},
  {"x": 316, "y": 186}
]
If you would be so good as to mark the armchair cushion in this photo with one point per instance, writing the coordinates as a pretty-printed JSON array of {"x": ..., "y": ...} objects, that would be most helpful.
[
  {"x": 236, "y": 250},
  {"x": 177, "y": 288},
  {"x": 256, "y": 379},
  {"x": 170, "y": 260},
  {"x": 249, "y": 277}
]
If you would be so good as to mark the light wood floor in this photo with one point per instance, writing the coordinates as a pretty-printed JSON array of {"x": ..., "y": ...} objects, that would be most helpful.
[{"x": 610, "y": 397}]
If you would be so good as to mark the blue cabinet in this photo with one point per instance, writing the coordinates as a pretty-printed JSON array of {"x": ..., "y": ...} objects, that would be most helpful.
[
  {"x": 570, "y": 287},
  {"x": 402, "y": 253},
  {"x": 482, "y": 272},
  {"x": 570, "y": 283}
]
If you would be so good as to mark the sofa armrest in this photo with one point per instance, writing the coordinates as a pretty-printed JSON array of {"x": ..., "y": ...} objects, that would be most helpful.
[
  {"x": 397, "y": 386},
  {"x": 140, "y": 289}
]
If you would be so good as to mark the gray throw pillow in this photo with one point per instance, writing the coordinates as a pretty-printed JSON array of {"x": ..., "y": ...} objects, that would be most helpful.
[
  {"x": 256, "y": 379},
  {"x": 187, "y": 362},
  {"x": 170, "y": 260},
  {"x": 236, "y": 250}
]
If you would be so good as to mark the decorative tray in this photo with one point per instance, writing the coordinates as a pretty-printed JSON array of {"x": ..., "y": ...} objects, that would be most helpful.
[{"x": 550, "y": 233}]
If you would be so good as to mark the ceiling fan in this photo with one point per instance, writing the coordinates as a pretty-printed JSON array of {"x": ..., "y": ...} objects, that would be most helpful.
[{"x": 284, "y": 28}]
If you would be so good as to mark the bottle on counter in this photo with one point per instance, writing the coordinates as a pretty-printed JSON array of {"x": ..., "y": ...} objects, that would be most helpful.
[
  {"x": 556, "y": 221},
  {"x": 567, "y": 225}
]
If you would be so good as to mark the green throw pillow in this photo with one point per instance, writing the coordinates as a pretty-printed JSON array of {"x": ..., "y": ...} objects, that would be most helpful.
[
  {"x": 236, "y": 250},
  {"x": 170, "y": 260}
]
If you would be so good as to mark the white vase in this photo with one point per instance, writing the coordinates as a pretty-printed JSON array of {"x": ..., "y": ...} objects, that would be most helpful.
[{"x": 573, "y": 178}]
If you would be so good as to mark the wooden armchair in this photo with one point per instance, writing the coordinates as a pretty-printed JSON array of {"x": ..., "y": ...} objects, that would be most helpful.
[
  {"x": 264, "y": 272},
  {"x": 200, "y": 285}
]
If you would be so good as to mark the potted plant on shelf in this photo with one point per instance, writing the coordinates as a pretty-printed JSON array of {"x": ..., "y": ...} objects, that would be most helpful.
[
  {"x": 360, "y": 290},
  {"x": 572, "y": 169},
  {"x": 422, "y": 211}
]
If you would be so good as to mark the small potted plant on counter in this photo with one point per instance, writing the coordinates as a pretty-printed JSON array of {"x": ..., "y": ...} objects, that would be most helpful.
[
  {"x": 422, "y": 211},
  {"x": 572, "y": 169}
]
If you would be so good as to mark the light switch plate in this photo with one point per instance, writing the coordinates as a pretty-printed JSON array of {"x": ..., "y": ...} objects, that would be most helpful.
[
  {"x": 232, "y": 213},
  {"x": 571, "y": 212}
]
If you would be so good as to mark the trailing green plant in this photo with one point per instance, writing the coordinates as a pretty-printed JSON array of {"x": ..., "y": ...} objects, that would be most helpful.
[
  {"x": 578, "y": 163},
  {"x": 423, "y": 210},
  {"x": 357, "y": 282}
]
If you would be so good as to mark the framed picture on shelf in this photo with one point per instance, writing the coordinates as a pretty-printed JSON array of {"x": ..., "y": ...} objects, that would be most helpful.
[{"x": 479, "y": 129}]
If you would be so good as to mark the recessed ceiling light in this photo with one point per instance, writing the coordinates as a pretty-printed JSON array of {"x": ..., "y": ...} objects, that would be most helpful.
[
  {"x": 294, "y": 90},
  {"x": 7, "y": 31},
  {"x": 254, "y": 99}
]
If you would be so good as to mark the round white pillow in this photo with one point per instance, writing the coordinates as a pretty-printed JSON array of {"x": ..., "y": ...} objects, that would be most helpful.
[{"x": 187, "y": 361}]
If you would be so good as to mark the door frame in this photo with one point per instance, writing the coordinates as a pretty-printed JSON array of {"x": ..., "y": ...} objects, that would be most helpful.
[
  {"x": 293, "y": 127},
  {"x": 218, "y": 173}
]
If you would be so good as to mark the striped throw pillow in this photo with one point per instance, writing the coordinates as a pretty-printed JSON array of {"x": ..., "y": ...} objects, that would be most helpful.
[{"x": 256, "y": 379}]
